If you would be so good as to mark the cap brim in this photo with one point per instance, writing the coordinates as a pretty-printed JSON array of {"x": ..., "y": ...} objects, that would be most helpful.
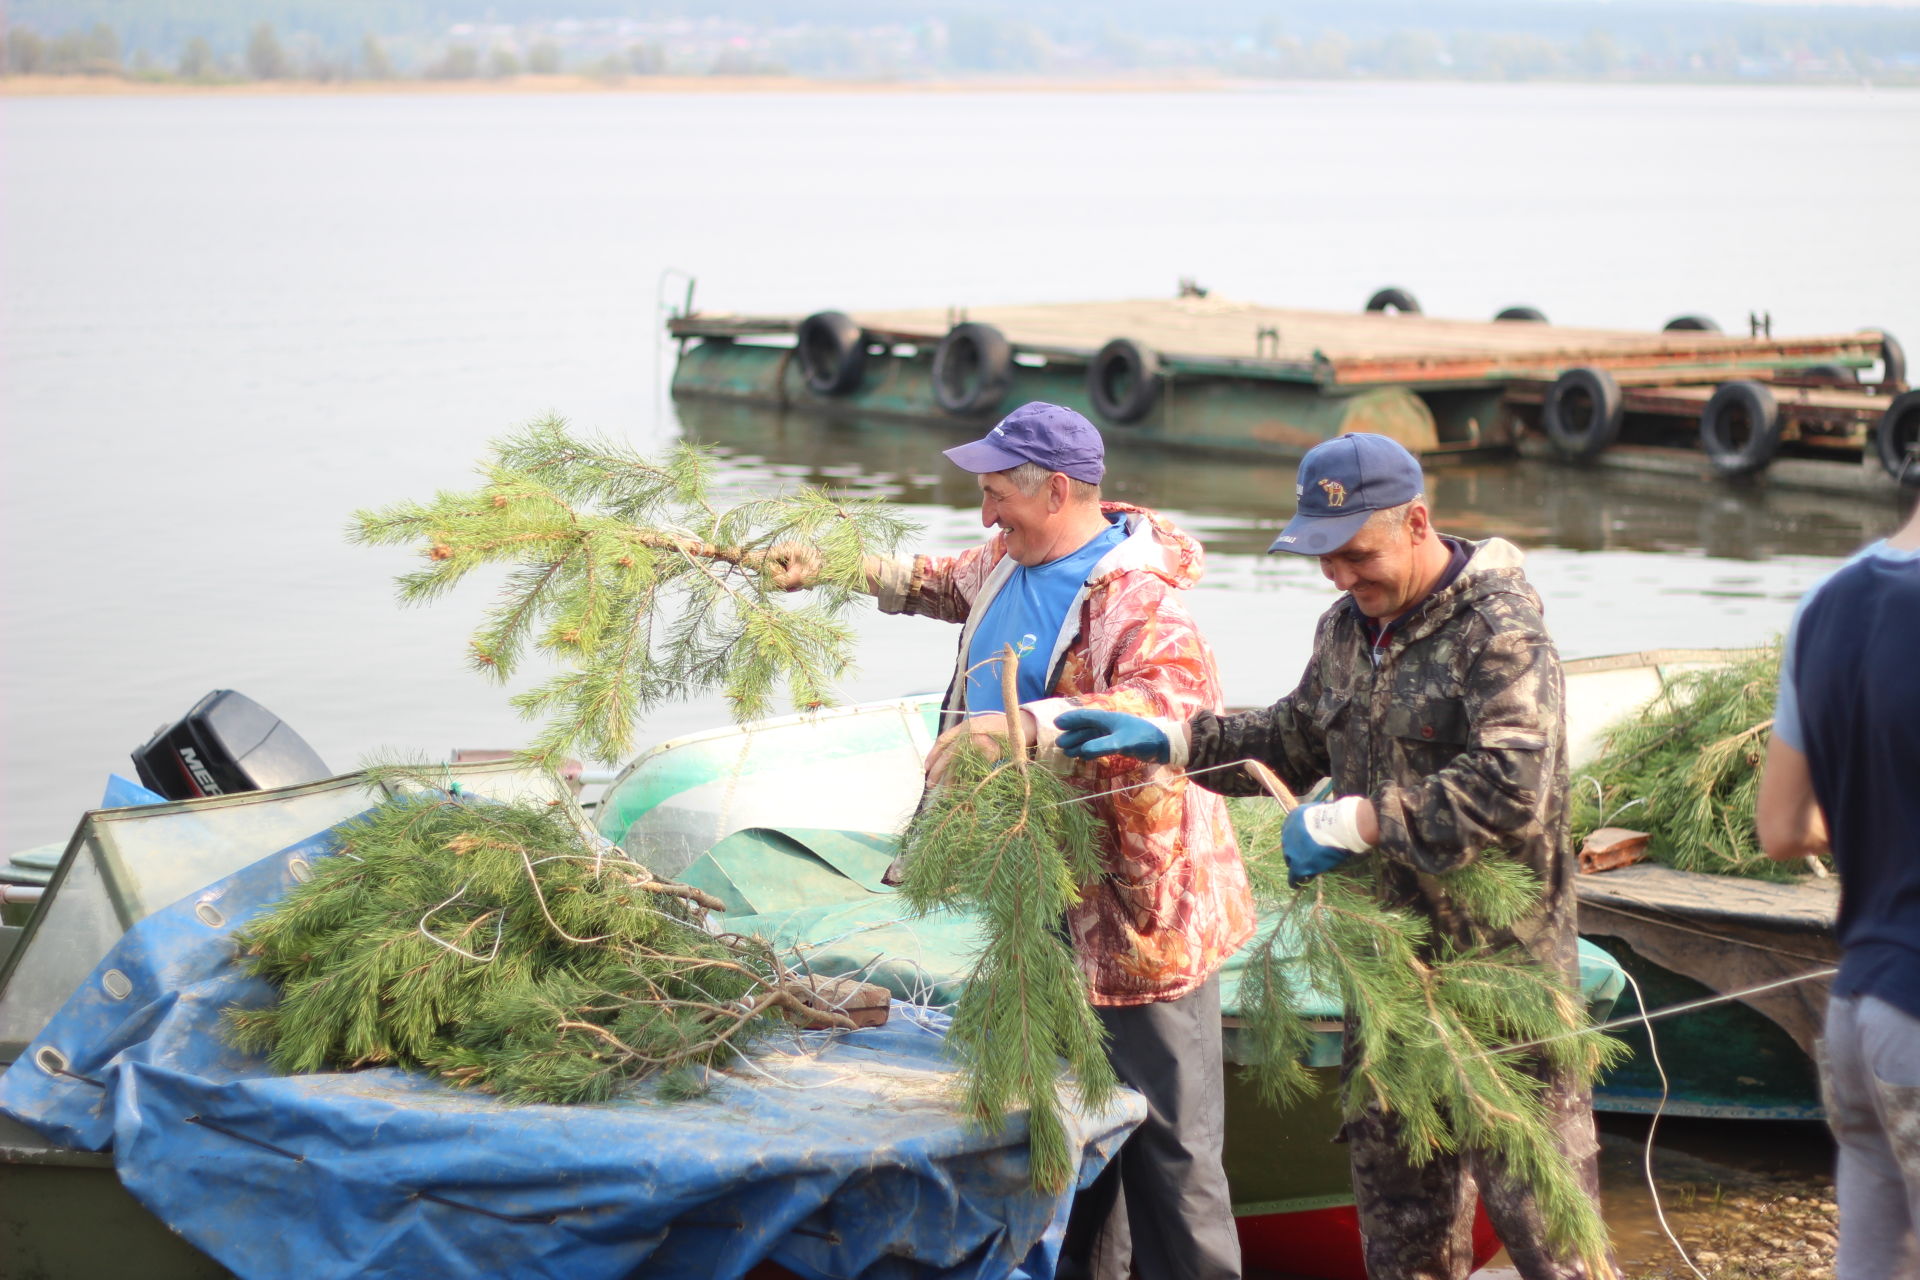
[
  {"x": 1319, "y": 535},
  {"x": 983, "y": 456}
]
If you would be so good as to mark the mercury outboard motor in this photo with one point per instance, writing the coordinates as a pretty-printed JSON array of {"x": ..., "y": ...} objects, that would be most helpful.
[{"x": 227, "y": 743}]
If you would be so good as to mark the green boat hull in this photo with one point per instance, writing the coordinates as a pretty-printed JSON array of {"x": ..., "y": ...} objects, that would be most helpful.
[{"x": 1235, "y": 414}]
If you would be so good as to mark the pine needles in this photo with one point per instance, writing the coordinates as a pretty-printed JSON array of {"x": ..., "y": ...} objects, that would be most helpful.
[
  {"x": 1009, "y": 843},
  {"x": 1431, "y": 1023},
  {"x": 1686, "y": 769},
  {"x": 623, "y": 572},
  {"x": 489, "y": 945}
]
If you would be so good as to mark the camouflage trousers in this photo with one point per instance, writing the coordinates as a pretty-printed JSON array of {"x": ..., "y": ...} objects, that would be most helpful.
[{"x": 1416, "y": 1220}]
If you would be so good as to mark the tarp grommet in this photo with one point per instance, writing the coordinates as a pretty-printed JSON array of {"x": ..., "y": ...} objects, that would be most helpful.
[
  {"x": 299, "y": 868},
  {"x": 210, "y": 914},
  {"x": 50, "y": 1060},
  {"x": 117, "y": 984}
]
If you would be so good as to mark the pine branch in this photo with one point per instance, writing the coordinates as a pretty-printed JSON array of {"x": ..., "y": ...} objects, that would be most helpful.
[
  {"x": 487, "y": 944},
  {"x": 599, "y": 543},
  {"x": 1005, "y": 842},
  {"x": 1430, "y": 1023},
  {"x": 1686, "y": 768}
]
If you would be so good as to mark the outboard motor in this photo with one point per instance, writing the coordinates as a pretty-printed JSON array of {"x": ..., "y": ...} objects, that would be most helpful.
[{"x": 227, "y": 743}]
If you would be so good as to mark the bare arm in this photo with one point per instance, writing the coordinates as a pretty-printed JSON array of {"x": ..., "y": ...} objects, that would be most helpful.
[{"x": 1788, "y": 813}]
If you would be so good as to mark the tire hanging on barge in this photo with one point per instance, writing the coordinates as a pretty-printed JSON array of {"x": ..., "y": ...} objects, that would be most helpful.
[
  {"x": 1522, "y": 315},
  {"x": 1582, "y": 413},
  {"x": 832, "y": 352},
  {"x": 1123, "y": 382},
  {"x": 972, "y": 369},
  {"x": 1893, "y": 362},
  {"x": 1897, "y": 439},
  {"x": 1740, "y": 428},
  {"x": 1690, "y": 324},
  {"x": 1394, "y": 298}
]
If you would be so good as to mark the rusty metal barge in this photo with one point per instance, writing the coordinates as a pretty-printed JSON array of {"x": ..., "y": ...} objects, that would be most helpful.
[{"x": 1199, "y": 372}]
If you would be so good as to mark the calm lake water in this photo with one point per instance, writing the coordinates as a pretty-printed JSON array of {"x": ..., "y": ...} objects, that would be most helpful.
[{"x": 230, "y": 321}]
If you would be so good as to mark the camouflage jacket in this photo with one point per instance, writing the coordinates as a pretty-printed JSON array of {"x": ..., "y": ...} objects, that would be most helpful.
[
  {"x": 1457, "y": 737},
  {"x": 1174, "y": 901}
]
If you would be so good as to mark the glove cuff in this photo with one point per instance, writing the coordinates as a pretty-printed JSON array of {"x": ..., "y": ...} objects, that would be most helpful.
[
  {"x": 1336, "y": 824},
  {"x": 1047, "y": 736},
  {"x": 1177, "y": 743}
]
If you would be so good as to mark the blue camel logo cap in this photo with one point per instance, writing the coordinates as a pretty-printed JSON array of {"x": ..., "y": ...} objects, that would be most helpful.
[
  {"x": 1342, "y": 482},
  {"x": 1050, "y": 434}
]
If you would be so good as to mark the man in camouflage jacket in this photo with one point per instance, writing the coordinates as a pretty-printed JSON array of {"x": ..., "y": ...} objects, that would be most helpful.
[{"x": 1433, "y": 701}]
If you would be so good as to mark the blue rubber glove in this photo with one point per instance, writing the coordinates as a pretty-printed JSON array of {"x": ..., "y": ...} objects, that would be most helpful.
[
  {"x": 1087, "y": 734},
  {"x": 1316, "y": 838}
]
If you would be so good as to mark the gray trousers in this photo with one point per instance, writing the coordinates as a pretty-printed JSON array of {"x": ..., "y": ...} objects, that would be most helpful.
[
  {"x": 1871, "y": 1080},
  {"x": 1165, "y": 1191}
]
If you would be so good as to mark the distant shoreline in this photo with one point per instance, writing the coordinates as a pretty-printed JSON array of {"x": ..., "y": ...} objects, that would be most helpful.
[
  {"x": 81, "y": 86},
  {"x": 116, "y": 86}
]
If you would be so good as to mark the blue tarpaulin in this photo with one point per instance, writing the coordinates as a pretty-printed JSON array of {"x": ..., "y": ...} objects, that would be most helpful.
[{"x": 836, "y": 1154}]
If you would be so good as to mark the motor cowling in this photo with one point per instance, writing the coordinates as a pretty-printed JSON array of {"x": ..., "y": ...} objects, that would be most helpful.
[{"x": 226, "y": 743}]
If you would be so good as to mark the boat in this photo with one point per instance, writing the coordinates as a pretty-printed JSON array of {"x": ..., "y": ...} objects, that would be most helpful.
[
  {"x": 1203, "y": 373},
  {"x": 790, "y": 822},
  {"x": 1684, "y": 936},
  {"x": 1680, "y": 936},
  {"x": 133, "y": 1137}
]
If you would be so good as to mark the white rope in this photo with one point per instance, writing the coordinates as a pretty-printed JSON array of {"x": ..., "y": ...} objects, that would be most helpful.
[
  {"x": 1646, "y": 1155},
  {"x": 499, "y": 929},
  {"x": 1154, "y": 782},
  {"x": 1643, "y": 1017}
]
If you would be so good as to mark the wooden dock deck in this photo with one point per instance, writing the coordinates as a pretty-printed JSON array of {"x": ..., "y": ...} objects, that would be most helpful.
[{"x": 1337, "y": 348}]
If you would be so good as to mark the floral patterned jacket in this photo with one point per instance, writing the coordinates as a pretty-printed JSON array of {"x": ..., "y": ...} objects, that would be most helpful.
[{"x": 1174, "y": 901}]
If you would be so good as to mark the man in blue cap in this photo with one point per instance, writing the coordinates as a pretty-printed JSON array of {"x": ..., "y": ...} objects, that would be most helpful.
[
  {"x": 1087, "y": 594},
  {"x": 1433, "y": 701}
]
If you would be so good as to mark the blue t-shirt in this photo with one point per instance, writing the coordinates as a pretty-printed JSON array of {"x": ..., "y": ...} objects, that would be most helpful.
[
  {"x": 1027, "y": 613},
  {"x": 1850, "y": 702}
]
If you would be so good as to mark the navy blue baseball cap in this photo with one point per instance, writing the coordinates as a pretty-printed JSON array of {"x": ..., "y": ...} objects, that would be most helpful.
[
  {"x": 1342, "y": 482},
  {"x": 1052, "y": 435}
]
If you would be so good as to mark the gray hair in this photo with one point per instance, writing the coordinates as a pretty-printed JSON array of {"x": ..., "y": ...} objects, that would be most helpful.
[
  {"x": 1393, "y": 519},
  {"x": 1030, "y": 477}
]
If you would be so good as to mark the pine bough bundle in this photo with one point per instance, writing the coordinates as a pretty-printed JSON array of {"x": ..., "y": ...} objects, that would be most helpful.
[
  {"x": 1433, "y": 1023},
  {"x": 487, "y": 944},
  {"x": 1010, "y": 843},
  {"x": 1686, "y": 769},
  {"x": 625, "y": 574}
]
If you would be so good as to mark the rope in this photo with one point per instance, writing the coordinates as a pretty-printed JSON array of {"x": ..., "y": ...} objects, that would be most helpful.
[
  {"x": 1154, "y": 782},
  {"x": 1672, "y": 1010},
  {"x": 1646, "y": 1155}
]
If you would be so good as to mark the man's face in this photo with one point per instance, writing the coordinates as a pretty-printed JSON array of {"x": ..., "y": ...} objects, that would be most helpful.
[
  {"x": 1379, "y": 565},
  {"x": 1028, "y": 519}
]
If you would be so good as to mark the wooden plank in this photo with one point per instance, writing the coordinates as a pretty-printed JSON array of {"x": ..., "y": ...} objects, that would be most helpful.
[{"x": 1648, "y": 887}]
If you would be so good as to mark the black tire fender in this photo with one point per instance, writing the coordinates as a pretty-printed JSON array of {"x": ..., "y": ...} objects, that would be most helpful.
[
  {"x": 1123, "y": 382},
  {"x": 972, "y": 369},
  {"x": 832, "y": 352},
  {"x": 1393, "y": 298},
  {"x": 1897, "y": 439},
  {"x": 1690, "y": 324},
  {"x": 1893, "y": 361},
  {"x": 1529, "y": 315},
  {"x": 1740, "y": 428},
  {"x": 1582, "y": 412}
]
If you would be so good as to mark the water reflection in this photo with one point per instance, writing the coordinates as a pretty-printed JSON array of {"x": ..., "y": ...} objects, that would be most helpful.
[{"x": 1239, "y": 501}]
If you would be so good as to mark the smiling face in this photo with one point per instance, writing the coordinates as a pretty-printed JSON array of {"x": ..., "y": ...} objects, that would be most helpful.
[
  {"x": 1389, "y": 566},
  {"x": 1028, "y": 519}
]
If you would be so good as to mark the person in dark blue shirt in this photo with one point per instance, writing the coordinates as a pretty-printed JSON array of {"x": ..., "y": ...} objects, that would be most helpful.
[{"x": 1843, "y": 775}]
